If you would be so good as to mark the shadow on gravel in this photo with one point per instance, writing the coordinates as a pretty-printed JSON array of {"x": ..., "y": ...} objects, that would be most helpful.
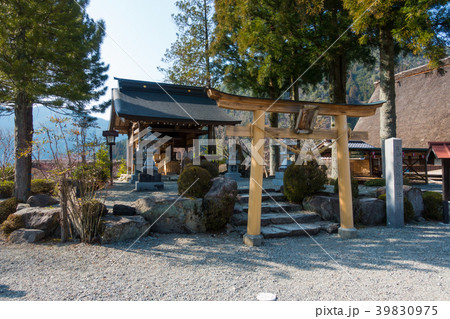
[
  {"x": 5, "y": 292},
  {"x": 377, "y": 248}
]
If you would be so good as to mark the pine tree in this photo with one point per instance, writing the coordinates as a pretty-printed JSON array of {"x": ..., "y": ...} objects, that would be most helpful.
[
  {"x": 50, "y": 56},
  {"x": 189, "y": 57}
]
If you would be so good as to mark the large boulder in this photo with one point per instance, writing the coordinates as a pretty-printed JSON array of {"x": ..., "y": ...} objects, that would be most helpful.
[
  {"x": 118, "y": 228},
  {"x": 26, "y": 236},
  {"x": 42, "y": 200},
  {"x": 39, "y": 218},
  {"x": 218, "y": 203},
  {"x": 172, "y": 214},
  {"x": 123, "y": 210},
  {"x": 413, "y": 194},
  {"x": 370, "y": 212},
  {"x": 326, "y": 206}
]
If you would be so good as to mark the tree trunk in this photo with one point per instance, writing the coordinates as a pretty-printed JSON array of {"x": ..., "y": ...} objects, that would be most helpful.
[
  {"x": 207, "y": 54},
  {"x": 294, "y": 96},
  {"x": 338, "y": 92},
  {"x": 274, "y": 148},
  {"x": 23, "y": 138},
  {"x": 274, "y": 161},
  {"x": 387, "y": 88}
]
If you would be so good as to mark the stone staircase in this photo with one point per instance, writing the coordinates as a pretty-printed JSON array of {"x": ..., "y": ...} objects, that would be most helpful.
[{"x": 279, "y": 218}]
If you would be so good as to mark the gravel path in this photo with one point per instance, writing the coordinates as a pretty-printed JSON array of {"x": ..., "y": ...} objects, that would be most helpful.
[{"x": 384, "y": 264}]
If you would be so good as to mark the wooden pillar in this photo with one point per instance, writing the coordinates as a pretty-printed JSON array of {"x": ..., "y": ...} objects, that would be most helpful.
[
  {"x": 211, "y": 136},
  {"x": 253, "y": 236},
  {"x": 446, "y": 188},
  {"x": 347, "y": 229}
]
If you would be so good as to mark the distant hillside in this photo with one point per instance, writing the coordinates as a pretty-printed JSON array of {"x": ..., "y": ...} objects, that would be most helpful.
[{"x": 41, "y": 117}]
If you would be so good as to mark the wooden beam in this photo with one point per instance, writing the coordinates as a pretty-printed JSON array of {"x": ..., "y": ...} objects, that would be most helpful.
[
  {"x": 245, "y": 131},
  {"x": 243, "y": 103}
]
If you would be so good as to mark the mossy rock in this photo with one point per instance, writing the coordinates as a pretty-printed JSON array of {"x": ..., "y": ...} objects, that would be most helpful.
[
  {"x": 42, "y": 186},
  {"x": 433, "y": 208},
  {"x": 301, "y": 181},
  {"x": 195, "y": 181},
  {"x": 408, "y": 208},
  {"x": 12, "y": 223},
  {"x": 355, "y": 187},
  {"x": 7, "y": 208},
  {"x": 6, "y": 189}
]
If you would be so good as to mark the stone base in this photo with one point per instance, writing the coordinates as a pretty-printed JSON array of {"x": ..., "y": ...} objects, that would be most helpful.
[
  {"x": 347, "y": 233},
  {"x": 151, "y": 186},
  {"x": 134, "y": 178},
  {"x": 253, "y": 240}
]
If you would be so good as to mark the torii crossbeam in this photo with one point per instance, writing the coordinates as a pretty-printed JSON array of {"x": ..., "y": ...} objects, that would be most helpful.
[{"x": 307, "y": 110}]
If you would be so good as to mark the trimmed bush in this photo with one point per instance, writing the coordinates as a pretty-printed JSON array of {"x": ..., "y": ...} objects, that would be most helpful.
[
  {"x": 408, "y": 208},
  {"x": 7, "y": 208},
  {"x": 301, "y": 181},
  {"x": 6, "y": 189},
  {"x": 375, "y": 182},
  {"x": 212, "y": 168},
  {"x": 7, "y": 172},
  {"x": 432, "y": 203},
  {"x": 42, "y": 186},
  {"x": 189, "y": 176},
  {"x": 379, "y": 182},
  {"x": 355, "y": 188},
  {"x": 12, "y": 223}
]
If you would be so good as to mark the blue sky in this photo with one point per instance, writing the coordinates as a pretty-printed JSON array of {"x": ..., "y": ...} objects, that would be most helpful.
[{"x": 144, "y": 29}]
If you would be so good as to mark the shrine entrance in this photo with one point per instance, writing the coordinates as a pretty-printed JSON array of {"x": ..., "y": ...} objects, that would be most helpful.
[{"x": 304, "y": 129}]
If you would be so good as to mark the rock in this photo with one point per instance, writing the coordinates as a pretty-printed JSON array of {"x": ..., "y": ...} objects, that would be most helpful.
[
  {"x": 26, "y": 236},
  {"x": 413, "y": 194},
  {"x": 371, "y": 212},
  {"x": 40, "y": 218},
  {"x": 119, "y": 228},
  {"x": 218, "y": 203},
  {"x": 326, "y": 206},
  {"x": 21, "y": 206},
  {"x": 42, "y": 200},
  {"x": 123, "y": 210},
  {"x": 172, "y": 213}
]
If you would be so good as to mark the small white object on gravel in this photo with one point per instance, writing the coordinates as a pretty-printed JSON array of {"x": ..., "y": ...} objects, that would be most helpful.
[{"x": 266, "y": 296}]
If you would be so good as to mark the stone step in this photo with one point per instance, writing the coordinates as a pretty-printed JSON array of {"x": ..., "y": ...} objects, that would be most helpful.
[
  {"x": 245, "y": 190},
  {"x": 272, "y": 207},
  {"x": 277, "y": 196},
  {"x": 297, "y": 230},
  {"x": 293, "y": 230},
  {"x": 277, "y": 218}
]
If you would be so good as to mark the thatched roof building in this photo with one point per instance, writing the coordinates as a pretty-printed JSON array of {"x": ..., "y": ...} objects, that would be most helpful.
[{"x": 423, "y": 108}]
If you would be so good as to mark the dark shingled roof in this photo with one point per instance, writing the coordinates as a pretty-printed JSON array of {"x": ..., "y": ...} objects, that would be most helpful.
[
  {"x": 360, "y": 145},
  {"x": 422, "y": 107},
  {"x": 138, "y": 100}
]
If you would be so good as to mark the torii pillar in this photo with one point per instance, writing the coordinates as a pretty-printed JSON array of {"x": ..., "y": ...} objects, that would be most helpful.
[
  {"x": 347, "y": 229},
  {"x": 253, "y": 236}
]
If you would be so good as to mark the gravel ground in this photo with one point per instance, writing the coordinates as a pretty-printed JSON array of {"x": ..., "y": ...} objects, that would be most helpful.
[{"x": 383, "y": 264}]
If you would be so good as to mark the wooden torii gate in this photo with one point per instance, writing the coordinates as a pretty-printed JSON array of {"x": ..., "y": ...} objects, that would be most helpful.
[{"x": 307, "y": 112}]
